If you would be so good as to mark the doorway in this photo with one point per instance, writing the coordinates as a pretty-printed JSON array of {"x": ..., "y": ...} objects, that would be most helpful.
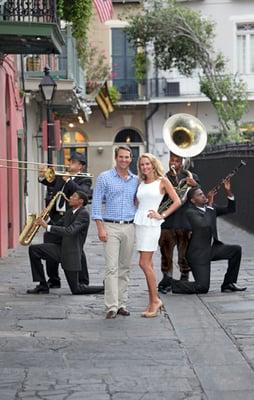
[{"x": 134, "y": 140}]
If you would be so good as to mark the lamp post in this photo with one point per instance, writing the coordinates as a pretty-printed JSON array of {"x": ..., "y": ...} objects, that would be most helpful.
[{"x": 47, "y": 88}]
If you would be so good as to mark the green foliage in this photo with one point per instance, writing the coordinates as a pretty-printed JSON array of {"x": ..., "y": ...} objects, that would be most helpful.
[
  {"x": 97, "y": 69},
  {"x": 77, "y": 12},
  {"x": 140, "y": 64},
  {"x": 170, "y": 29},
  {"x": 114, "y": 94},
  {"x": 229, "y": 97},
  {"x": 183, "y": 39}
]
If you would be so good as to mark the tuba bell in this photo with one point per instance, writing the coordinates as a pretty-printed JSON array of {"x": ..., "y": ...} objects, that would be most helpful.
[{"x": 184, "y": 135}]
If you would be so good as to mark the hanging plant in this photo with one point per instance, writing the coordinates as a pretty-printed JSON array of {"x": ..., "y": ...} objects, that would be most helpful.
[
  {"x": 140, "y": 64},
  {"x": 77, "y": 12}
]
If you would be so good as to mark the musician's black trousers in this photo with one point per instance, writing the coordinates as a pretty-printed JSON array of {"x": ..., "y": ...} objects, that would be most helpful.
[
  {"x": 52, "y": 266},
  {"x": 51, "y": 252},
  {"x": 201, "y": 271}
]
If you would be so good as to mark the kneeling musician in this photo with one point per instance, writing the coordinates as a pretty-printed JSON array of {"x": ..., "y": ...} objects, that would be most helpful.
[{"x": 72, "y": 230}]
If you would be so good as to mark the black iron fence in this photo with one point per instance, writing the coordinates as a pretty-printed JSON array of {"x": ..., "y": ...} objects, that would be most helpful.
[
  {"x": 216, "y": 163},
  {"x": 28, "y": 11}
]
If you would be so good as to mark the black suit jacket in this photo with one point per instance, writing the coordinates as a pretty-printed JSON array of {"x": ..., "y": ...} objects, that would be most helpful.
[
  {"x": 204, "y": 231},
  {"x": 73, "y": 230},
  {"x": 78, "y": 183},
  {"x": 178, "y": 219}
]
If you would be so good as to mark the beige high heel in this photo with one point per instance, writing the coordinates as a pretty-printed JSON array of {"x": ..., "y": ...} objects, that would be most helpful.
[
  {"x": 152, "y": 314},
  {"x": 146, "y": 311}
]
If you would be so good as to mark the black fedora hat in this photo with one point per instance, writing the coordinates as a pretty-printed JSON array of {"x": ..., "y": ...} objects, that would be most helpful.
[{"x": 79, "y": 157}]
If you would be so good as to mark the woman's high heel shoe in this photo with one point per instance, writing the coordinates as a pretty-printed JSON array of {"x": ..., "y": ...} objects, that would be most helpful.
[{"x": 152, "y": 314}]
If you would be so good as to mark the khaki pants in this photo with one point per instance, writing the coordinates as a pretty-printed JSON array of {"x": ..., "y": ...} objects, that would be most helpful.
[{"x": 118, "y": 253}]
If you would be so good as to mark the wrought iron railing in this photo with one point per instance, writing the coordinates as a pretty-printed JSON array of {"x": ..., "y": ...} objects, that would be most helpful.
[
  {"x": 28, "y": 11},
  {"x": 64, "y": 66},
  {"x": 127, "y": 87}
]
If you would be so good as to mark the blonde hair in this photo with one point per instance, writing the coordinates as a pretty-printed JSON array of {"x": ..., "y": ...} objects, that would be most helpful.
[{"x": 157, "y": 166}]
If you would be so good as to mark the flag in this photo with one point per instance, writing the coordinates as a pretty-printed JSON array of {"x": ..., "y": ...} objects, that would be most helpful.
[
  {"x": 104, "y": 101},
  {"x": 104, "y": 9}
]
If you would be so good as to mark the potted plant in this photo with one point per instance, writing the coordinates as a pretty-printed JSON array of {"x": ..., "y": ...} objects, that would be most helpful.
[{"x": 114, "y": 94}]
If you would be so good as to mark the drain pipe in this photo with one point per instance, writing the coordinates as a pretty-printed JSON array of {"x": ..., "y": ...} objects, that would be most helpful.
[{"x": 156, "y": 108}]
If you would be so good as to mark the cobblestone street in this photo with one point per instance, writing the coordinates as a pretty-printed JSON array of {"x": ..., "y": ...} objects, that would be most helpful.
[{"x": 60, "y": 347}]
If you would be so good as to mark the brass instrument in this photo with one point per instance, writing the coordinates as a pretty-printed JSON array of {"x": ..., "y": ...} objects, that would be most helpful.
[
  {"x": 50, "y": 172},
  {"x": 31, "y": 228},
  {"x": 181, "y": 189},
  {"x": 185, "y": 136},
  {"x": 29, "y": 162}
]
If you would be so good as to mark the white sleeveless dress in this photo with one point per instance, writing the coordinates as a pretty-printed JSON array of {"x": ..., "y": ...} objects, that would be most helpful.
[{"x": 148, "y": 230}]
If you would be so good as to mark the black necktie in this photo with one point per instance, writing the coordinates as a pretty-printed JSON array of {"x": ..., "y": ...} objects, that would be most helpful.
[{"x": 62, "y": 199}]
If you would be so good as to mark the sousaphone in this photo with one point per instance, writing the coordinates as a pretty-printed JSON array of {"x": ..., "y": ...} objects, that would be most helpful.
[{"x": 184, "y": 135}]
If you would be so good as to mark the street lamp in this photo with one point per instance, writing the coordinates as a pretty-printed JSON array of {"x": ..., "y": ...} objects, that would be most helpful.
[{"x": 47, "y": 88}]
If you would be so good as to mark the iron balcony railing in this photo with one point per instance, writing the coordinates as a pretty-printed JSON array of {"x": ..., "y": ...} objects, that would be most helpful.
[
  {"x": 151, "y": 88},
  {"x": 128, "y": 88},
  {"x": 64, "y": 66},
  {"x": 28, "y": 11}
]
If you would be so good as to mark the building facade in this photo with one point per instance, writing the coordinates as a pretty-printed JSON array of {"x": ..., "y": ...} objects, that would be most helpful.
[
  {"x": 12, "y": 145},
  {"x": 128, "y": 123},
  {"x": 177, "y": 94}
]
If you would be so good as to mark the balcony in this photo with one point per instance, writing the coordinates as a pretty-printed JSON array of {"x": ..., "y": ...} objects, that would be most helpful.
[
  {"x": 63, "y": 67},
  {"x": 128, "y": 88},
  {"x": 29, "y": 26},
  {"x": 65, "y": 70}
]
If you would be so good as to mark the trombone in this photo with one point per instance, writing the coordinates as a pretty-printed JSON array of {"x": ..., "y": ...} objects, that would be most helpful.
[
  {"x": 30, "y": 162},
  {"x": 50, "y": 173}
]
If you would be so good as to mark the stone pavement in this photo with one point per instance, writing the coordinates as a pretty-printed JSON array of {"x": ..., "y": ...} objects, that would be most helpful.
[{"x": 60, "y": 347}]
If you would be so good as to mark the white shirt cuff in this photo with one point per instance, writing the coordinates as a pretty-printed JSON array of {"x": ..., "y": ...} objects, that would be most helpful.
[{"x": 48, "y": 228}]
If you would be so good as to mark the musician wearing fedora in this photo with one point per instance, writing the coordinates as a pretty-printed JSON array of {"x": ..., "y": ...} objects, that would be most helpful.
[
  {"x": 205, "y": 245},
  {"x": 175, "y": 230},
  {"x": 68, "y": 185}
]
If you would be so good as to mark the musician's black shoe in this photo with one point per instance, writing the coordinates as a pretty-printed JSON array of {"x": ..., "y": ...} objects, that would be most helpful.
[
  {"x": 54, "y": 283},
  {"x": 39, "y": 289},
  {"x": 184, "y": 276},
  {"x": 232, "y": 287},
  {"x": 88, "y": 289},
  {"x": 165, "y": 285}
]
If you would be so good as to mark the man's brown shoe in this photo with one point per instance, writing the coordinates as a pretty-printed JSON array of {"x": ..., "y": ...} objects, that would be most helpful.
[
  {"x": 111, "y": 315},
  {"x": 123, "y": 311}
]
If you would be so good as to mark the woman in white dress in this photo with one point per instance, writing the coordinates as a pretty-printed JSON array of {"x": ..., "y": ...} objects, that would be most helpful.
[{"x": 148, "y": 221}]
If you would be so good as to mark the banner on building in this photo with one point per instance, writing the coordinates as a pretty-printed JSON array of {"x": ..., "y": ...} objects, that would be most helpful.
[{"x": 104, "y": 101}]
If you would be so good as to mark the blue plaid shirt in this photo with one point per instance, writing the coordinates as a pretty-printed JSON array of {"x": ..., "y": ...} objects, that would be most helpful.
[{"x": 113, "y": 196}]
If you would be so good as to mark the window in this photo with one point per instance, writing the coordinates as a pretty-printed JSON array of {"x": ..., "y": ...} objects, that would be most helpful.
[
  {"x": 72, "y": 142},
  {"x": 245, "y": 48},
  {"x": 123, "y": 54}
]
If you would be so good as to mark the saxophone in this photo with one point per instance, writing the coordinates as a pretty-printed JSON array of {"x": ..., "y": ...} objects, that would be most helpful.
[
  {"x": 31, "y": 228},
  {"x": 181, "y": 189}
]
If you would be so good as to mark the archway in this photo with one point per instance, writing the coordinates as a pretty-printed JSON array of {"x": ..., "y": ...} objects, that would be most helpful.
[{"x": 134, "y": 140}]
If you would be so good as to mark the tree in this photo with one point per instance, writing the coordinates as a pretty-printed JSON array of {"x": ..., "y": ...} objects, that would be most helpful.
[{"x": 183, "y": 39}]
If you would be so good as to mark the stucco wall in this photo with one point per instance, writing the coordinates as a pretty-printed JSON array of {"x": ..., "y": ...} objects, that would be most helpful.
[{"x": 10, "y": 122}]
